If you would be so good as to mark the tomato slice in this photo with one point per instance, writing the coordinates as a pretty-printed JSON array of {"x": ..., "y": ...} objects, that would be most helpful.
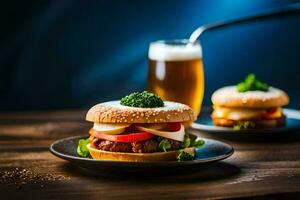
[
  {"x": 272, "y": 113},
  {"x": 130, "y": 137},
  {"x": 173, "y": 126}
]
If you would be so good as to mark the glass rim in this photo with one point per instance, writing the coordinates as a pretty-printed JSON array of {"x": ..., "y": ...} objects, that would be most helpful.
[
  {"x": 175, "y": 42},
  {"x": 178, "y": 49}
]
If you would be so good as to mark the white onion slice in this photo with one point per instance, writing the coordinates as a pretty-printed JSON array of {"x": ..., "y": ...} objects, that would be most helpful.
[
  {"x": 175, "y": 135},
  {"x": 111, "y": 129}
]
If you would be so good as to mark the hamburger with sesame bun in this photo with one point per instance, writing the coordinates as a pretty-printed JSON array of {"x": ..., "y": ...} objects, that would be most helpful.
[
  {"x": 249, "y": 104},
  {"x": 140, "y": 127}
]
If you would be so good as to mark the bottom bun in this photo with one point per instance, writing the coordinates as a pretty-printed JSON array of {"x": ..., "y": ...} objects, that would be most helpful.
[
  {"x": 135, "y": 157},
  {"x": 279, "y": 122}
]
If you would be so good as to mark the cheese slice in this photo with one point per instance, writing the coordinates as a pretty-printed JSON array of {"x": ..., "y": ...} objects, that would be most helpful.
[
  {"x": 111, "y": 129},
  {"x": 245, "y": 114},
  {"x": 175, "y": 135}
]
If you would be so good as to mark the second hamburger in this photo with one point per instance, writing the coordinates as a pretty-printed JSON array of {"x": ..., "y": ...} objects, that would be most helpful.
[{"x": 250, "y": 104}]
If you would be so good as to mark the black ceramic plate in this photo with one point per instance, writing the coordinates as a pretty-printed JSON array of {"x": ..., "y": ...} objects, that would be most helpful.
[
  {"x": 211, "y": 151},
  {"x": 204, "y": 123}
]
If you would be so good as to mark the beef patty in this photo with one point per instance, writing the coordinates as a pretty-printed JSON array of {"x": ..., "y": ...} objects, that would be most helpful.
[{"x": 147, "y": 146}]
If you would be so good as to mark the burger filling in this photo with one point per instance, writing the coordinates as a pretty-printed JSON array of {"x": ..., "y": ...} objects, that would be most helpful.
[
  {"x": 244, "y": 118},
  {"x": 140, "y": 138},
  {"x": 242, "y": 114}
]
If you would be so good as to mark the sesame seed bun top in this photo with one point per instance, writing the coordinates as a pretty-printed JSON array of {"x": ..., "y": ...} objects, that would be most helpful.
[
  {"x": 114, "y": 112},
  {"x": 230, "y": 97}
]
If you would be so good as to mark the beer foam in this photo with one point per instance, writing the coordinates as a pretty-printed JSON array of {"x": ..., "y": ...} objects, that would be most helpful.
[{"x": 167, "y": 52}]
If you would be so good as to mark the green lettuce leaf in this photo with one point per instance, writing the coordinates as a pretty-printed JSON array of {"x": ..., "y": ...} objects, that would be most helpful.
[
  {"x": 184, "y": 156},
  {"x": 198, "y": 143},
  {"x": 186, "y": 142},
  {"x": 82, "y": 149},
  {"x": 191, "y": 141},
  {"x": 244, "y": 125},
  {"x": 164, "y": 145}
]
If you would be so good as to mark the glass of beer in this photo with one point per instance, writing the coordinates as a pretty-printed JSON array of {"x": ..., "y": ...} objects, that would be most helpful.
[{"x": 175, "y": 72}]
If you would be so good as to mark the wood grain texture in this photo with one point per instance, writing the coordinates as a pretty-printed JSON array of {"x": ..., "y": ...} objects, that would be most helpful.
[{"x": 264, "y": 170}]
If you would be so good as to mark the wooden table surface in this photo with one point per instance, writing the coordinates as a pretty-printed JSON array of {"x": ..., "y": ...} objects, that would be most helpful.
[{"x": 264, "y": 170}]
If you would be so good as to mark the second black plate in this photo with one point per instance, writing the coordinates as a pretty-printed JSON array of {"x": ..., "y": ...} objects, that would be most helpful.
[{"x": 204, "y": 124}]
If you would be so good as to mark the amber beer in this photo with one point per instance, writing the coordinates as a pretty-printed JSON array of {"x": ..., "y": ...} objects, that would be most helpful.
[{"x": 175, "y": 72}]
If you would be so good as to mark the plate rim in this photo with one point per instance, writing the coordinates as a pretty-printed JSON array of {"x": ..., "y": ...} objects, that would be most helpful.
[
  {"x": 289, "y": 112},
  {"x": 71, "y": 158}
]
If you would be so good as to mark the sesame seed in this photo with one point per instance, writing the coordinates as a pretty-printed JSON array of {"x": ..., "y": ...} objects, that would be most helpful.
[{"x": 19, "y": 177}]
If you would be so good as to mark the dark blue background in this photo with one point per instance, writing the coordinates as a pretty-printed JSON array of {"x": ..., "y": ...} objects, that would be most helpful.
[{"x": 70, "y": 54}]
